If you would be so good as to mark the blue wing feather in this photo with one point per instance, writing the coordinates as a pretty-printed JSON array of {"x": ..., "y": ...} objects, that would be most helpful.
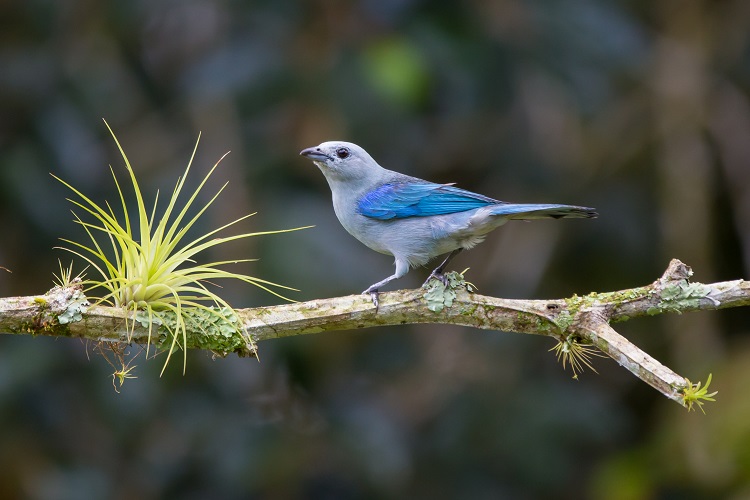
[{"x": 409, "y": 199}]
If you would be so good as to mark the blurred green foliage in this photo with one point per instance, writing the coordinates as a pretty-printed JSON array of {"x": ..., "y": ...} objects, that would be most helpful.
[{"x": 640, "y": 109}]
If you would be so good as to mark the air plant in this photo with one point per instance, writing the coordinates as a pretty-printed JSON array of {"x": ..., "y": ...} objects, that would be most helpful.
[
  {"x": 694, "y": 394},
  {"x": 150, "y": 268},
  {"x": 122, "y": 366},
  {"x": 65, "y": 279},
  {"x": 572, "y": 352}
]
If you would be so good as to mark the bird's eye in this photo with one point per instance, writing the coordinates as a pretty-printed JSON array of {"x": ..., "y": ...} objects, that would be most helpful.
[{"x": 342, "y": 153}]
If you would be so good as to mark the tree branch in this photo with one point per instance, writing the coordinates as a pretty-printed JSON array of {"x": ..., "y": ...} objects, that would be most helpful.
[{"x": 582, "y": 320}]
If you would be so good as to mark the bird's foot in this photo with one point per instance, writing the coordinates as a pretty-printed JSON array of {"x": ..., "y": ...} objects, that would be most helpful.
[
  {"x": 373, "y": 293},
  {"x": 438, "y": 275}
]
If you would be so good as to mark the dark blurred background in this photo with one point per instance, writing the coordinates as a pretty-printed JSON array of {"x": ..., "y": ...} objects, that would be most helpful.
[{"x": 640, "y": 109}]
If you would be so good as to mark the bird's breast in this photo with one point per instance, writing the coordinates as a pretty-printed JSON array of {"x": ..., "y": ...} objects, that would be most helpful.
[{"x": 370, "y": 232}]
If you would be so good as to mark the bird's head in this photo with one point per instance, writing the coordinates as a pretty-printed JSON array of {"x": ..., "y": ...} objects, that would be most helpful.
[{"x": 343, "y": 161}]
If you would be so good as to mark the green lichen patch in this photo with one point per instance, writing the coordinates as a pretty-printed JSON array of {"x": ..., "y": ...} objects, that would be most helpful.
[
  {"x": 63, "y": 304},
  {"x": 564, "y": 320},
  {"x": 440, "y": 295},
  {"x": 213, "y": 328},
  {"x": 594, "y": 299},
  {"x": 76, "y": 306},
  {"x": 679, "y": 296}
]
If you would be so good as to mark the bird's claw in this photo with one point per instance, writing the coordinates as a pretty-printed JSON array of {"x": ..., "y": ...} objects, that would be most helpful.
[
  {"x": 438, "y": 276},
  {"x": 374, "y": 296}
]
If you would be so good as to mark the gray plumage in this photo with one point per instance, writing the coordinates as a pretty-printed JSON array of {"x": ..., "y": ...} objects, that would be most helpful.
[{"x": 412, "y": 219}]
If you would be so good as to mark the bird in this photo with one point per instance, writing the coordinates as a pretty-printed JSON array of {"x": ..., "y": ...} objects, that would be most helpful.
[{"x": 412, "y": 219}]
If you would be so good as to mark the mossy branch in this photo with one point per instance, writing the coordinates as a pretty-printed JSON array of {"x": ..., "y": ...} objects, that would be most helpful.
[{"x": 584, "y": 320}]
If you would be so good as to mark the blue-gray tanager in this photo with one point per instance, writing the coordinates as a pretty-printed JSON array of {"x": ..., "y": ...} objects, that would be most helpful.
[{"x": 412, "y": 219}]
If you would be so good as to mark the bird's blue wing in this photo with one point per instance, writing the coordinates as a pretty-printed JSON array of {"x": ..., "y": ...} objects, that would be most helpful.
[{"x": 411, "y": 199}]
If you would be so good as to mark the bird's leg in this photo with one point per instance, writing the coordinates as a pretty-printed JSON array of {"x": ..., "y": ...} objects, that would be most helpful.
[
  {"x": 438, "y": 272},
  {"x": 402, "y": 267},
  {"x": 373, "y": 290}
]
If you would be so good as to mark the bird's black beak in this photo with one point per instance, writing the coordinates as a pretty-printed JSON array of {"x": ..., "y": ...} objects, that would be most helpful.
[{"x": 315, "y": 154}]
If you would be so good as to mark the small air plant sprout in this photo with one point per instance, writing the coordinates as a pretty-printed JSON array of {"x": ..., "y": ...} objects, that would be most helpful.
[
  {"x": 121, "y": 365},
  {"x": 694, "y": 394},
  {"x": 144, "y": 262},
  {"x": 572, "y": 352},
  {"x": 65, "y": 279}
]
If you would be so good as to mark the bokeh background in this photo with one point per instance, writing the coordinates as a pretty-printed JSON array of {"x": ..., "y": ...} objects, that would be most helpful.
[{"x": 640, "y": 109}]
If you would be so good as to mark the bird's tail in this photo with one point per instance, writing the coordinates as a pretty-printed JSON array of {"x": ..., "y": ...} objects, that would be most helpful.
[{"x": 533, "y": 211}]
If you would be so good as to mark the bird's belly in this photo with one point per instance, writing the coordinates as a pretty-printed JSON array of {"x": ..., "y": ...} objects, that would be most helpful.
[
  {"x": 418, "y": 239},
  {"x": 463, "y": 230}
]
